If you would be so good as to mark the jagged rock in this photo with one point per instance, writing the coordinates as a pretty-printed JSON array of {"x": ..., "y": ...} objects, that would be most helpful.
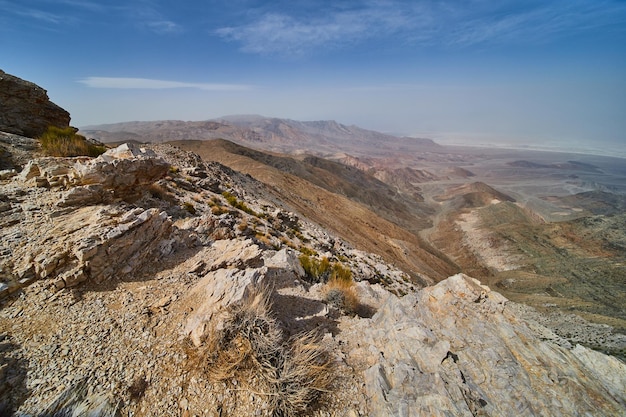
[
  {"x": 82, "y": 196},
  {"x": 285, "y": 259},
  {"x": 92, "y": 243},
  {"x": 75, "y": 401},
  {"x": 214, "y": 293},
  {"x": 237, "y": 268},
  {"x": 237, "y": 254},
  {"x": 25, "y": 108},
  {"x": 49, "y": 171},
  {"x": 122, "y": 169},
  {"x": 455, "y": 350},
  {"x": 286, "y": 220}
]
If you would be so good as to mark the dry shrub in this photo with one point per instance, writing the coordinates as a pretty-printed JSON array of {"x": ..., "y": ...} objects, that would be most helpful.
[
  {"x": 243, "y": 226},
  {"x": 341, "y": 294},
  {"x": 249, "y": 347},
  {"x": 304, "y": 374},
  {"x": 247, "y": 341},
  {"x": 57, "y": 141},
  {"x": 218, "y": 210}
]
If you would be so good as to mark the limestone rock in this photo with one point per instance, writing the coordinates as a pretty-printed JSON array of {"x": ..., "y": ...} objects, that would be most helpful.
[
  {"x": 284, "y": 259},
  {"x": 25, "y": 108},
  {"x": 235, "y": 268},
  {"x": 455, "y": 350},
  {"x": 214, "y": 293},
  {"x": 122, "y": 169}
]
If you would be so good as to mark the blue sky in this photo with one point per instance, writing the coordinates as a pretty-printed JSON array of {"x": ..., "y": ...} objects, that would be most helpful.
[{"x": 549, "y": 73}]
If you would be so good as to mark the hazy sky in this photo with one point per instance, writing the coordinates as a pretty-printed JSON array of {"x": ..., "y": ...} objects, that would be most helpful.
[{"x": 481, "y": 71}]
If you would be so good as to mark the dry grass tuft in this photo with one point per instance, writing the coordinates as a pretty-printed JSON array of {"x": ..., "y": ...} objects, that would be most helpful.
[
  {"x": 250, "y": 348},
  {"x": 304, "y": 374},
  {"x": 341, "y": 294},
  {"x": 58, "y": 141}
]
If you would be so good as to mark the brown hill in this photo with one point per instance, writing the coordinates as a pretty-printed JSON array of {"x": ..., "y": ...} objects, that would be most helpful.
[
  {"x": 476, "y": 194},
  {"x": 359, "y": 208}
]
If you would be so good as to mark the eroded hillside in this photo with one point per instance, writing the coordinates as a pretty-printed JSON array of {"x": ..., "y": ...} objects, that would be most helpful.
[
  {"x": 149, "y": 281},
  {"x": 135, "y": 291}
]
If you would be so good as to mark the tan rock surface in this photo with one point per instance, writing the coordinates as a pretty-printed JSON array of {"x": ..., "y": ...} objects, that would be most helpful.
[{"x": 455, "y": 349}]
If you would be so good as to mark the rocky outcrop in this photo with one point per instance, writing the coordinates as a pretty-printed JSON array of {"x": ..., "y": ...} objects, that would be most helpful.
[
  {"x": 162, "y": 263},
  {"x": 122, "y": 169},
  {"x": 25, "y": 108},
  {"x": 237, "y": 268},
  {"x": 456, "y": 350},
  {"x": 78, "y": 229}
]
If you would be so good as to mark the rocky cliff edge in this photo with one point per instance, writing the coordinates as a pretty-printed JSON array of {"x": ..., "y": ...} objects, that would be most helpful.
[{"x": 115, "y": 271}]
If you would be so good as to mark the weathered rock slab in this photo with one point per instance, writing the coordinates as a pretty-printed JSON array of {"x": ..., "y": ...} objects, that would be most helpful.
[{"x": 455, "y": 350}]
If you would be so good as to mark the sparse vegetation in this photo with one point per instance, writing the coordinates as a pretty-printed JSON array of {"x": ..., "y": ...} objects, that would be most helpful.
[
  {"x": 218, "y": 210},
  {"x": 233, "y": 201},
  {"x": 322, "y": 270},
  {"x": 243, "y": 226},
  {"x": 57, "y": 141},
  {"x": 339, "y": 290},
  {"x": 341, "y": 294},
  {"x": 316, "y": 269},
  {"x": 189, "y": 207},
  {"x": 307, "y": 251},
  {"x": 250, "y": 348}
]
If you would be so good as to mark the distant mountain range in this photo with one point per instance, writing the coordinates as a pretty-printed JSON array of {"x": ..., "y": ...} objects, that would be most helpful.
[{"x": 280, "y": 135}]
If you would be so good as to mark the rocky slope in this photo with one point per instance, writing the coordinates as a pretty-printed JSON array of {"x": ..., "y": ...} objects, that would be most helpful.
[
  {"x": 25, "y": 108},
  {"x": 149, "y": 282},
  {"x": 354, "y": 205},
  {"x": 117, "y": 269}
]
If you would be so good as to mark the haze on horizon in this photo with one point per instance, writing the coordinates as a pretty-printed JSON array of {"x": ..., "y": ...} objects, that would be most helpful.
[{"x": 527, "y": 73}]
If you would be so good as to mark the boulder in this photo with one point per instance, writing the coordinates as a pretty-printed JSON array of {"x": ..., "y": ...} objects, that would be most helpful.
[
  {"x": 25, "y": 108},
  {"x": 214, "y": 293},
  {"x": 235, "y": 269},
  {"x": 455, "y": 350},
  {"x": 122, "y": 169}
]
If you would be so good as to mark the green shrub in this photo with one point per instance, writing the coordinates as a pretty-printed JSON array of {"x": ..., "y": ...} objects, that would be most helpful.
[
  {"x": 232, "y": 200},
  {"x": 316, "y": 269},
  {"x": 340, "y": 273},
  {"x": 307, "y": 251},
  {"x": 57, "y": 141},
  {"x": 189, "y": 207}
]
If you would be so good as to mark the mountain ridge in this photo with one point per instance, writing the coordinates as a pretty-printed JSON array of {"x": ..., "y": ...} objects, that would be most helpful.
[{"x": 285, "y": 135}]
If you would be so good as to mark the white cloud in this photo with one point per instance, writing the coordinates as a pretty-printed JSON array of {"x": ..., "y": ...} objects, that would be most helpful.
[
  {"x": 286, "y": 35},
  {"x": 163, "y": 26},
  {"x": 147, "y": 83},
  {"x": 424, "y": 23}
]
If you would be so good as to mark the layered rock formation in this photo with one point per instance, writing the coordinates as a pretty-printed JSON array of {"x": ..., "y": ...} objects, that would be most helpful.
[
  {"x": 455, "y": 349},
  {"x": 75, "y": 244},
  {"x": 25, "y": 108}
]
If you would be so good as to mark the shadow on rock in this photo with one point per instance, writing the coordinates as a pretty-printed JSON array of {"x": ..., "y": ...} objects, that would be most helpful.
[
  {"x": 13, "y": 370},
  {"x": 300, "y": 314}
]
